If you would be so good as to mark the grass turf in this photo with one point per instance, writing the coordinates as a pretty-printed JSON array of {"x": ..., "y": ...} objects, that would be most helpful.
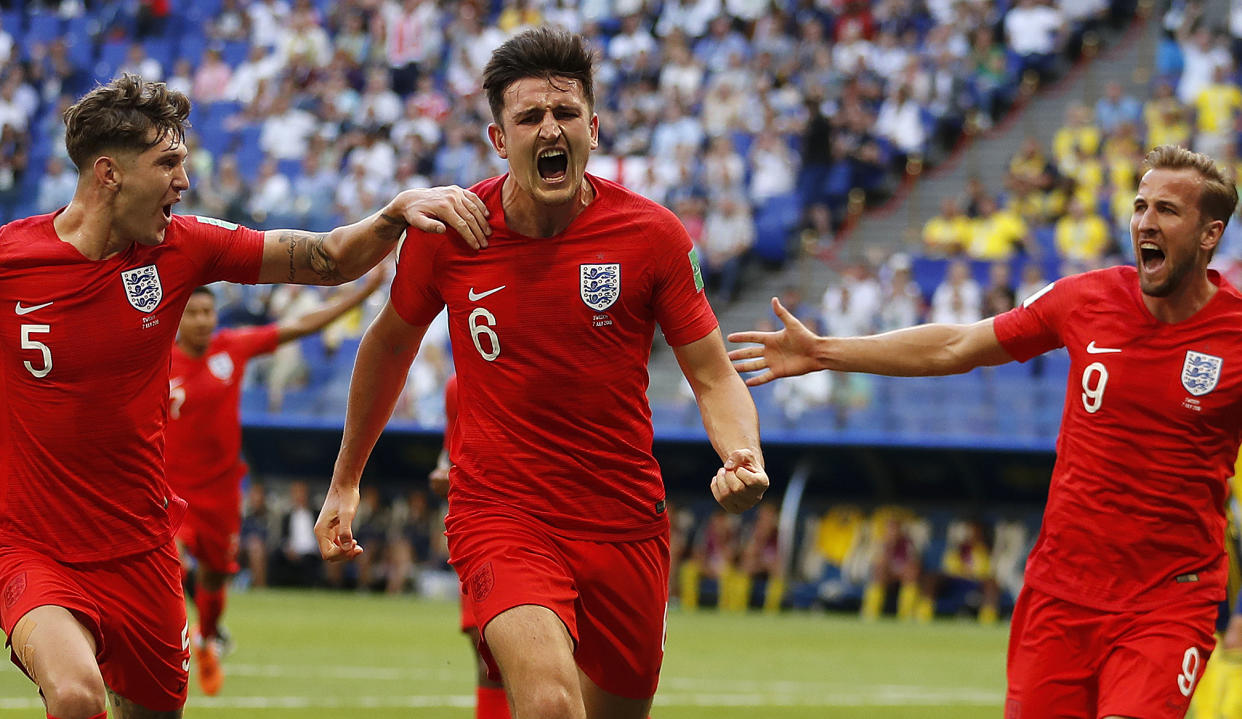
[{"x": 305, "y": 653}]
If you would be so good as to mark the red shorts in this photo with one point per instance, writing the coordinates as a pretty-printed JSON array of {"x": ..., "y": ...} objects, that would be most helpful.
[
  {"x": 467, "y": 616},
  {"x": 619, "y": 644},
  {"x": 212, "y": 534},
  {"x": 1070, "y": 660},
  {"x": 132, "y": 606}
]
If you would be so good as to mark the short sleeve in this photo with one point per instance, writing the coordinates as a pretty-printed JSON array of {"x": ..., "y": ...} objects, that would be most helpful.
[
  {"x": 223, "y": 250},
  {"x": 680, "y": 303},
  {"x": 1032, "y": 328},
  {"x": 414, "y": 292},
  {"x": 247, "y": 342}
]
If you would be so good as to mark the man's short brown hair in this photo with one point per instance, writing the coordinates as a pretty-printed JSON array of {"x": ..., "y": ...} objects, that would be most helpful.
[
  {"x": 120, "y": 116},
  {"x": 1218, "y": 196},
  {"x": 542, "y": 52}
]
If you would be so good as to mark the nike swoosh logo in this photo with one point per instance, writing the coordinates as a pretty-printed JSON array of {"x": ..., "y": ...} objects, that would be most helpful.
[
  {"x": 475, "y": 297},
  {"x": 1093, "y": 350},
  {"x": 27, "y": 310}
]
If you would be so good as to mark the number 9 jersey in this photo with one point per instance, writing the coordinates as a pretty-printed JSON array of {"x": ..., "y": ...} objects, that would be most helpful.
[{"x": 1149, "y": 433}]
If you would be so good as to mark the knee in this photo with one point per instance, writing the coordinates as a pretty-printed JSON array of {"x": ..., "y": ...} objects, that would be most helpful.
[
  {"x": 76, "y": 697},
  {"x": 551, "y": 700}
]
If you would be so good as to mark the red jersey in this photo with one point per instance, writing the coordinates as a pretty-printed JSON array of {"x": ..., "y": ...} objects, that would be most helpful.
[
  {"x": 84, "y": 350},
  {"x": 1152, "y": 421},
  {"x": 204, "y": 427},
  {"x": 551, "y": 338},
  {"x": 450, "y": 408}
]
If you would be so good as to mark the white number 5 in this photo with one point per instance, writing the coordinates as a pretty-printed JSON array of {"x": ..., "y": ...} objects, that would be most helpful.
[
  {"x": 1094, "y": 379},
  {"x": 29, "y": 344}
]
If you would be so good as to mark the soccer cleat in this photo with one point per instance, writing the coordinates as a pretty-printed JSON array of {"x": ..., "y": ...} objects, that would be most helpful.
[{"x": 207, "y": 660}]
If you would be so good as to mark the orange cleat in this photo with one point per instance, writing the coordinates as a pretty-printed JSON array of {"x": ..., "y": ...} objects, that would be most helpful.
[{"x": 207, "y": 659}]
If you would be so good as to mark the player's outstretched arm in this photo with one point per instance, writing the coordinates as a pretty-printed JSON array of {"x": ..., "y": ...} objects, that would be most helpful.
[
  {"x": 312, "y": 322},
  {"x": 925, "y": 350},
  {"x": 384, "y": 357},
  {"x": 730, "y": 420},
  {"x": 331, "y": 258}
]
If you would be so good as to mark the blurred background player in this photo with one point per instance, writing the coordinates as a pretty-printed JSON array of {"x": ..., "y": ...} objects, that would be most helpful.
[
  {"x": 557, "y": 505},
  {"x": 203, "y": 446},
  {"x": 489, "y": 694}
]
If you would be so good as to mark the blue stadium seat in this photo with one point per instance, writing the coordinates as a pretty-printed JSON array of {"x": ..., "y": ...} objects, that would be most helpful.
[
  {"x": 234, "y": 52},
  {"x": 111, "y": 56},
  {"x": 192, "y": 46}
]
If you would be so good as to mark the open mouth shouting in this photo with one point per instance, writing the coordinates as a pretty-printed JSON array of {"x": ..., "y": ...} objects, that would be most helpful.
[
  {"x": 553, "y": 165},
  {"x": 1151, "y": 256}
]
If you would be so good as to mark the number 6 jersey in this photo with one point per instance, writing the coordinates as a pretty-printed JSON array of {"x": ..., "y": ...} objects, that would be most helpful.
[
  {"x": 551, "y": 338},
  {"x": 1150, "y": 430}
]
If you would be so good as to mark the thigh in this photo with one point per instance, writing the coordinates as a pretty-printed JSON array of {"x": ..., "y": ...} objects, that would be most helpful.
[
  {"x": 504, "y": 564},
  {"x": 622, "y": 613},
  {"x": 146, "y": 658},
  {"x": 1156, "y": 662},
  {"x": 601, "y": 704},
  {"x": 1051, "y": 664},
  {"x": 534, "y": 653},
  {"x": 32, "y": 586}
]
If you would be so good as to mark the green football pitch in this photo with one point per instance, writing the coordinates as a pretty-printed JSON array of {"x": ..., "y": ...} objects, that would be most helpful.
[{"x": 305, "y": 654}]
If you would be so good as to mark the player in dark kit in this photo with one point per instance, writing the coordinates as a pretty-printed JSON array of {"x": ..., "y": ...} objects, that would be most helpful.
[
  {"x": 556, "y": 504},
  {"x": 203, "y": 454},
  {"x": 1122, "y": 587},
  {"x": 90, "y": 300}
]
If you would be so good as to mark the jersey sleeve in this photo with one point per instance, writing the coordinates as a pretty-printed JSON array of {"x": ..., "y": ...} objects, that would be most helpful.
[
  {"x": 1033, "y": 327},
  {"x": 247, "y": 342},
  {"x": 414, "y": 293},
  {"x": 224, "y": 250},
  {"x": 680, "y": 303}
]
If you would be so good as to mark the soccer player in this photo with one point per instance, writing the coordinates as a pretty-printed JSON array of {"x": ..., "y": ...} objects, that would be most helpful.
[
  {"x": 557, "y": 522},
  {"x": 90, "y": 300},
  {"x": 203, "y": 446},
  {"x": 489, "y": 694},
  {"x": 1122, "y": 586}
]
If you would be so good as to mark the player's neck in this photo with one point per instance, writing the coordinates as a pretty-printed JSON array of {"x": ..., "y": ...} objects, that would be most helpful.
[
  {"x": 525, "y": 216},
  {"x": 1184, "y": 302},
  {"x": 191, "y": 349},
  {"x": 87, "y": 224}
]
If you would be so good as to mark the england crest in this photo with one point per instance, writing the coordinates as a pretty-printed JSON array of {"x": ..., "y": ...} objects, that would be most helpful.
[
  {"x": 600, "y": 285},
  {"x": 1200, "y": 373},
  {"x": 143, "y": 288},
  {"x": 221, "y": 365}
]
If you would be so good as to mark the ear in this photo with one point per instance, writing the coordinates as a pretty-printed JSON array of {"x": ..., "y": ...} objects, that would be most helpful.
[
  {"x": 1211, "y": 236},
  {"x": 594, "y": 131},
  {"x": 497, "y": 136},
  {"x": 107, "y": 172}
]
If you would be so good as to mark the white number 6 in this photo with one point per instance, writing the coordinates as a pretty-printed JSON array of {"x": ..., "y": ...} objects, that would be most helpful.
[
  {"x": 481, "y": 323},
  {"x": 1093, "y": 388}
]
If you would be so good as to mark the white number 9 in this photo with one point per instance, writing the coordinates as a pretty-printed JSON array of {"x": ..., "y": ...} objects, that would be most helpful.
[
  {"x": 1094, "y": 379},
  {"x": 481, "y": 323}
]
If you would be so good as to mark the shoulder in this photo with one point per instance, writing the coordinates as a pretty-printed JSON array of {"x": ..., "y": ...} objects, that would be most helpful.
[{"x": 641, "y": 213}]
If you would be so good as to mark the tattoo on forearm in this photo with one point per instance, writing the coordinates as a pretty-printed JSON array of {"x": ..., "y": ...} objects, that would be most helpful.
[
  {"x": 390, "y": 227},
  {"x": 314, "y": 257}
]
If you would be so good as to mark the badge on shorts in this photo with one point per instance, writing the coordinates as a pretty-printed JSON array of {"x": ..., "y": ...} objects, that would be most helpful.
[
  {"x": 14, "y": 590},
  {"x": 1200, "y": 372},
  {"x": 599, "y": 285},
  {"x": 482, "y": 582},
  {"x": 143, "y": 288}
]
